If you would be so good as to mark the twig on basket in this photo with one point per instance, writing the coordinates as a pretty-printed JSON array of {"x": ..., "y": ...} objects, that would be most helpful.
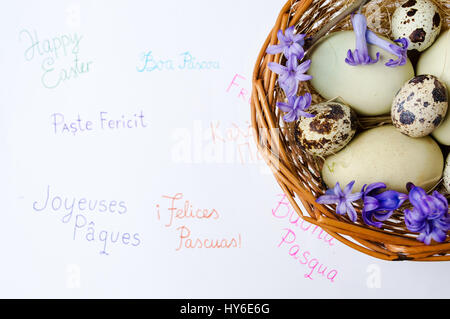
[{"x": 356, "y": 5}]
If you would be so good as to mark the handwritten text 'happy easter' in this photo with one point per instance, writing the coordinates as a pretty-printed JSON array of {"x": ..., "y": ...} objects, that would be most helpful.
[{"x": 59, "y": 56}]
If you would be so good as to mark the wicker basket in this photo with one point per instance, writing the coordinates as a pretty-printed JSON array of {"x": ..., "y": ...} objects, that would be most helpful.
[{"x": 297, "y": 172}]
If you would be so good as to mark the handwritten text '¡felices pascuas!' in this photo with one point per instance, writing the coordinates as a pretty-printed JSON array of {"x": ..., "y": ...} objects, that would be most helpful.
[
  {"x": 59, "y": 56},
  {"x": 290, "y": 239},
  {"x": 175, "y": 208}
]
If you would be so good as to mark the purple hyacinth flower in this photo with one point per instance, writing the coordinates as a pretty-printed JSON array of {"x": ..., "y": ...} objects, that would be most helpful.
[
  {"x": 295, "y": 107},
  {"x": 429, "y": 217},
  {"x": 361, "y": 53},
  {"x": 343, "y": 199},
  {"x": 290, "y": 44},
  {"x": 291, "y": 74},
  {"x": 380, "y": 205},
  {"x": 399, "y": 51}
]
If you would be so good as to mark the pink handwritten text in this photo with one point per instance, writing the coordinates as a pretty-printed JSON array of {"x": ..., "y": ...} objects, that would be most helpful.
[
  {"x": 284, "y": 210},
  {"x": 290, "y": 240},
  {"x": 235, "y": 87},
  {"x": 177, "y": 208}
]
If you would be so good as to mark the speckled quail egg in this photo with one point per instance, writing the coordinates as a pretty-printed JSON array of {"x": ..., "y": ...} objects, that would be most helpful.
[
  {"x": 420, "y": 106},
  {"x": 417, "y": 20},
  {"x": 447, "y": 174},
  {"x": 331, "y": 128}
]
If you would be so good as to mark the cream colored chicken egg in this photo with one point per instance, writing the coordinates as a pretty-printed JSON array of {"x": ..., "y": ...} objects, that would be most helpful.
[{"x": 447, "y": 174}]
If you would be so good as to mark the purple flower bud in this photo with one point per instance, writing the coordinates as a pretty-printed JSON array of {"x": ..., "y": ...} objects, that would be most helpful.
[
  {"x": 380, "y": 205},
  {"x": 429, "y": 217},
  {"x": 295, "y": 108},
  {"x": 361, "y": 53},
  {"x": 399, "y": 51},
  {"x": 290, "y": 44},
  {"x": 343, "y": 199},
  {"x": 291, "y": 74}
]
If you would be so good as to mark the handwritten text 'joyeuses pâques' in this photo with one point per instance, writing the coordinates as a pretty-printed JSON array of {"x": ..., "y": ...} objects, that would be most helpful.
[
  {"x": 62, "y": 124},
  {"x": 58, "y": 55},
  {"x": 290, "y": 240},
  {"x": 80, "y": 213},
  {"x": 182, "y": 62},
  {"x": 175, "y": 209}
]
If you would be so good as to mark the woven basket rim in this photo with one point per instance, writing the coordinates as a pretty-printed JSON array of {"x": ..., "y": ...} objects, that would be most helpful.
[{"x": 276, "y": 147}]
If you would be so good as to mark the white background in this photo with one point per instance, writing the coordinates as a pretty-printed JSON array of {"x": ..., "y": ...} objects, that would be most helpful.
[{"x": 172, "y": 154}]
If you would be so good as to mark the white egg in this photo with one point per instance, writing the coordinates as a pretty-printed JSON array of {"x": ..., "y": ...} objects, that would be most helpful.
[
  {"x": 383, "y": 154},
  {"x": 367, "y": 89},
  {"x": 435, "y": 61},
  {"x": 447, "y": 174},
  {"x": 331, "y": 128},
  {"x": 419, "y": 21}
]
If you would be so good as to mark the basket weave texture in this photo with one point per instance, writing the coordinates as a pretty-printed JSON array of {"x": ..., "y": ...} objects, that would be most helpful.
[{"x": 297, "y": 172}]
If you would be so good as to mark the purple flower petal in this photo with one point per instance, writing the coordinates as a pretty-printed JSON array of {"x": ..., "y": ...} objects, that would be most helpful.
[
  {"x": 373, "y": 187},
  {"x": 303, "y": 67},
  {"x": 284, "y": 107},
  {"x": 295, "y": 106},
  {"x": 438, "y": 235},
  {"x": 342, "y": 199},
  {"x": 370, "y": 204},
  {"x": 291, "y": 74},
  {"x": 341, "y": 208},
  {"x": 289, "y": 32},
  {"x": 281, "y": 37},
  {"x": 380, "y": 205},
  {"x": 425, "y": 238},
  {"x": 368, "y": 219},
  {"x": 303, "y": 77},
  {"x": 337, "y": 190},
  {"x": 400, "y": 52},
  {"x": 429, "y": 217},
  {"x": 442, "y": 200},
  {"x": 351, "y": 212},
  {"x": 290, "y": 117},
  {"x": 277, "y": 68},
  {"x": 361, "y": 52},
  {"x": 349, "y": 187},
  {"x": 295, "y": 50},
  {"x": 354, "y": 197},
  {"x": 383, "y": 216},
  {"x": 391, "y": 200},
  {"x": 414, "y": 220},
  {"x": 328, "y": 199},
  {"x": 275, "y": 49},
  {"x": 289, "y": 43},
  {"x": 304, "y": 114},
  {"x": 289, "y": 86},
  {"x": 299, "y": 38},
  {"x": 307, "y": 98},
  {"x": 416, "y": 195}
]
